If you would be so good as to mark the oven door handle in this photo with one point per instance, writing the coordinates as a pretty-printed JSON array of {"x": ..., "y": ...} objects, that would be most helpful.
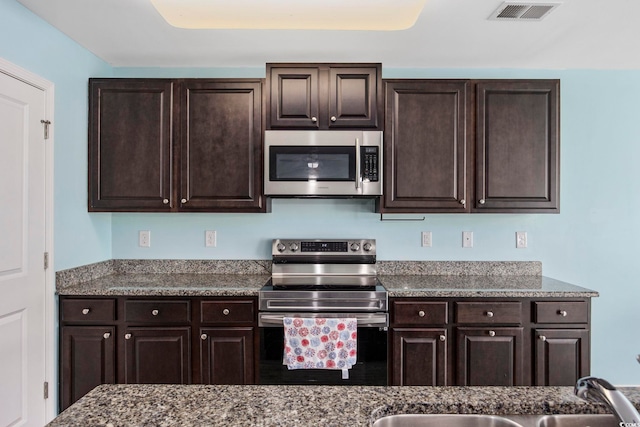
[{"x": 380, "y": 320}]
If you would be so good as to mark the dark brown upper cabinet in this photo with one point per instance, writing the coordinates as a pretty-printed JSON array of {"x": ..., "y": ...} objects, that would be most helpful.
[
  {"x": 130, "y": 144},
  {"x": 518, "y": 146},
  {"x": 426, "y": 151},
  {"x": 221, "y": 146},
  {"x": 483, "y": 146},
  {"x": 158, "y": 145},
  {"x": 324, "y": 96}
]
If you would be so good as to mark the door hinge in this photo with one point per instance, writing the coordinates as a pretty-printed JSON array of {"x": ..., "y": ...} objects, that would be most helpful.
[
  {"x": 46, "y": 124},
  {"x": 46, "y": 260},
  {"x": 46, "y": 390}
]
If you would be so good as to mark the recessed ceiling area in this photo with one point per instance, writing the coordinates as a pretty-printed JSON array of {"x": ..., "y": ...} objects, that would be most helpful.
[
  {"x": 579, "y": 34},
  {"x": 376, "y": 15}
]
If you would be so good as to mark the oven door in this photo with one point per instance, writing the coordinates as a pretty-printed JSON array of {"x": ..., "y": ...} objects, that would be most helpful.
[{"x": 370, "y": 368}]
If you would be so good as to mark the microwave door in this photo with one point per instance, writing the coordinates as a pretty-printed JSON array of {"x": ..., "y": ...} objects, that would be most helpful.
[{"x": 312, "y": 164}]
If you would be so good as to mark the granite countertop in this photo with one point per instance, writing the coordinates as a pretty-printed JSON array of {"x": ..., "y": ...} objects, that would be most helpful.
[
  {"x": 197, "y": 405},
  {"x": 245, "y": 278}
]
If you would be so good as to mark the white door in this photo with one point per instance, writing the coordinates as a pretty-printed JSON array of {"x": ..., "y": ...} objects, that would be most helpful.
[{"x": 22, "y": 247}]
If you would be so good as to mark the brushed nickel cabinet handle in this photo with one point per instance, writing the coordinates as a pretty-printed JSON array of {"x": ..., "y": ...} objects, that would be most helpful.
[
  {"x": 86, "y": 311},
  {"x": 443, "y": 338},
  {"x": 421, "y": 313},
  {"x": 314, "y": 119},
  {"x": 334, "y": 118},
  {"x": 154, "y": 312},
  {"x": 489, "y": 313},
  {"x": 463, "y": 201},
  {"x": 542, "y": 338},
  {"x": 106, "y": 335},
  {"x": 165, "y": 201},
  {"x": 203, "y": 337},
  {"x": 563, "y": 313},
  {"x": 492, "y": 333},
  {"x": 183, "y": 201},
  {"x": 481, "y": 201},
  {"x": 127, "y": 336},
  {"x": 226, "y": 311}
]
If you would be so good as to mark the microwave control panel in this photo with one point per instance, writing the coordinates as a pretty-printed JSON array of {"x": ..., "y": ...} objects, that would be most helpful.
[{"x": 369, "y": 163}]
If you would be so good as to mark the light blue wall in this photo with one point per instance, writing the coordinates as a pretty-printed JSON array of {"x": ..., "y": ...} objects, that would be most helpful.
[
  {"x": 30, "y": 43},
  {"x": 591, "y": 243}
]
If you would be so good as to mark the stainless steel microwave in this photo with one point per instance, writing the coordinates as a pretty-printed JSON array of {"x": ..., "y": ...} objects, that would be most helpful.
[{"x": 323, "y": 163}]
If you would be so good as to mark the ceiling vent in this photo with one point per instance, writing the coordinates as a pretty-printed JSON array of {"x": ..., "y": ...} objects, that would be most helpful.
[{"x": 511, "y": 11}]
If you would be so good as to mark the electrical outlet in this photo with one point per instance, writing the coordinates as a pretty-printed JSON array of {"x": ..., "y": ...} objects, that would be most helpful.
[
  {"x": 426, "y": 239},
  {"x": 521, "y": 239},
  {"x": 210, "y": 238},
  {"x": 467, "y": 239},
  {"x": 144, "y": 238}
]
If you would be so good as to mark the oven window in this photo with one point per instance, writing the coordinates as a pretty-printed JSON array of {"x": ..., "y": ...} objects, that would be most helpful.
[
  {"x": 312, "y": 163},
  {"x": 370, "y": 368}
]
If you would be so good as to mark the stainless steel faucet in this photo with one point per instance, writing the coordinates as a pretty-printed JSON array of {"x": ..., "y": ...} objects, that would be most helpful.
[{"x": 597, "y": 390}]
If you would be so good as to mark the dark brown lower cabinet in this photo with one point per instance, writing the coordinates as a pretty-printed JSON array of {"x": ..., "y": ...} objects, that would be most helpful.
[
  {"x": 88, "y": 360},
  {"x": 226, "y": 355},
  {"x": 420, "y": 356},
  {"x": 157, "y": 355},
  {"x": 155, "y": 340},
  {"x": 561, "y": 356},
  {"x": 490, "y": 356}
]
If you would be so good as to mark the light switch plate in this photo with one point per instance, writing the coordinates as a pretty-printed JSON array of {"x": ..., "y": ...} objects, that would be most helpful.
[{"x": 467, "y": 239}]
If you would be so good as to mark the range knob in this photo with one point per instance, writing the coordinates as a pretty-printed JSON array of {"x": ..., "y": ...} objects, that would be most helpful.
[
  {"x": 354, "y": 246},
  {"x": 280, "y": 247},
  {"x": 293, "y": 247},
  {"x": 367, "y": 247}
]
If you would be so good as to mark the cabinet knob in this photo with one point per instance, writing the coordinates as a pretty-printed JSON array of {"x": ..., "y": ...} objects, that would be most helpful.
[
  {"x": 226, "y": 311},
  {"x": 106, "y": 335},
  {"x": 155, "y": 312},
  {"x": 333, "y": 118},
  {"x": 563, "y": 313},
  {"x": 127, "y": 336},
  {"x": 203, "y": 337},
  {"x": 421, "y": 313},
  {"x": 463, "y": 201},
  {"x": 183, "y": 201},
  {"x": 85, "y": 311},
  {"x": 165, "y": 201},
  {"x": 542, "y": 338},
  {"x": 492, "y": 333},
  {"x": 489, "y": 313},
  {"x": 481, "y": 201},
  {"x": 443, "y": 338},
  {"x": 314, "y": 119}
]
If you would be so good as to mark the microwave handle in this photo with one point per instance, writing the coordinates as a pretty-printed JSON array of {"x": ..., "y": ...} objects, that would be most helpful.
[{"x": 357, "y": 163}]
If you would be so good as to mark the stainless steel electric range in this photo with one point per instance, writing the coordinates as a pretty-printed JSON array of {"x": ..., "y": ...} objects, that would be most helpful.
[{"x": 324, "y": 278}]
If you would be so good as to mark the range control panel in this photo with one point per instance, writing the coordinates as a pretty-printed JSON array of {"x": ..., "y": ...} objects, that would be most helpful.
[{"x": 323, "y": 247}]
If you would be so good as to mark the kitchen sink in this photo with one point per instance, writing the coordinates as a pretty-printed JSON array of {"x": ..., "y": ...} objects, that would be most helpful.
[
  {"x": 464, "y": 420},
  {"x": 582, "y": 420},
  {"x": 444, "y": 420}
]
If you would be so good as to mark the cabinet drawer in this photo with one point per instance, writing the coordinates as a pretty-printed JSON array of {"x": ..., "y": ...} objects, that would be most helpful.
[
  {"x": 157, "y": 311},
  {"x": 419, "y": 313},
  {"x": 488, "y": 312},
  {"x": 561, "y": 312},
  {"x": 227, "y": 312},
  {"x": 88, "y": 310}
]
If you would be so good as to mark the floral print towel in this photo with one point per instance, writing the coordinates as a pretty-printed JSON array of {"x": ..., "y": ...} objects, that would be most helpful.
[{"x": 320, "y": 343}]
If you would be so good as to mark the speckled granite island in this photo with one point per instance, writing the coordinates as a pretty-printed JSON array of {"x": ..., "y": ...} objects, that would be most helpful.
[{"x": 294, "y": 406}]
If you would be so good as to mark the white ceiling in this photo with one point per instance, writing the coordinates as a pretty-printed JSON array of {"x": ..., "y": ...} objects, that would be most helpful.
[{"x": 589, "y": 34}]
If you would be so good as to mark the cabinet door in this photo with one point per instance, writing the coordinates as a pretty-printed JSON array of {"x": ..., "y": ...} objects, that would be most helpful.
[
  {"x": 561, "y": 356},
  {"x": 157, "y": 355},
  {"x": 221, "y": 146},
  {"x": 87, "y": 360},
  {"x": 353, "y": 97},
  {"x": 227, "y": 355},
  {"x": 294, "y": 99},
  {"x": 425, "y": 153},
  {"x": 490, "y": 356},
  {"x": 517, "y": 146},
  {"x": 130, "y": 123},
  {"x": 419, "y": 356}
]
